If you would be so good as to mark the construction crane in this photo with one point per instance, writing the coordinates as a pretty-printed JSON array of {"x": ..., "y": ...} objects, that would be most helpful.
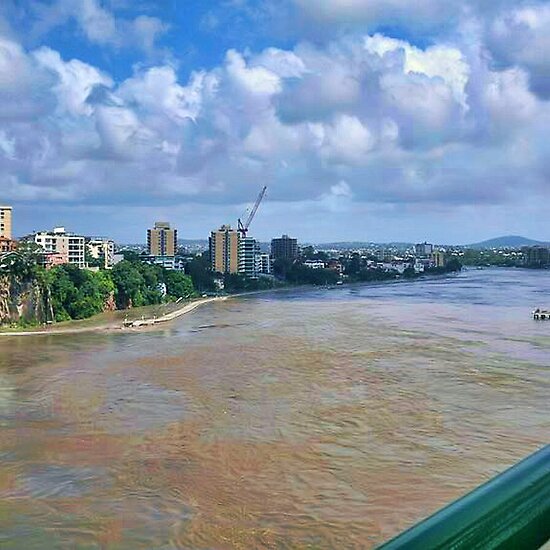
[{"x": 243, "y": 228}]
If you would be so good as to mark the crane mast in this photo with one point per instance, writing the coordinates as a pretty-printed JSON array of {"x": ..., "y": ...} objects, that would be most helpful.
[{"x": 243, "y": 227}]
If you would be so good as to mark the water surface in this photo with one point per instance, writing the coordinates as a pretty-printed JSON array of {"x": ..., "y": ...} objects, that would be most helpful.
[{"x": 297, "y": 419}]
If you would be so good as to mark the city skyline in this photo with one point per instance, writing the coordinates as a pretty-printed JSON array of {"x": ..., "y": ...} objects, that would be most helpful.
[
  {"x": 367, "y": 120},
  {"x": 514, "y": 240}
]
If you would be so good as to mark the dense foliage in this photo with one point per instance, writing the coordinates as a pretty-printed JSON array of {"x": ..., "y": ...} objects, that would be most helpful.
[
  {"x": 198, "y": 268},
  {"x": 79, "y": 293},
  {"x": 499, "y": 258},
  {"x": 297, "y": 273},
  {"x": 75, "y": 293},
  {"x": 234, "y": 282}
]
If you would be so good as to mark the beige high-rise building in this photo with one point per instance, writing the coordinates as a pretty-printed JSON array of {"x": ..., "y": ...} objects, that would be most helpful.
[
  {"x": 224, "y": 250},
  {"x": 5, "y": 222},
  {"x": 162, "y": 240}
]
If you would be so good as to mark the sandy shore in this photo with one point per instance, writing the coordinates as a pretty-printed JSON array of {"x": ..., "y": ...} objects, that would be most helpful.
[{"x": 102, "y": 326}]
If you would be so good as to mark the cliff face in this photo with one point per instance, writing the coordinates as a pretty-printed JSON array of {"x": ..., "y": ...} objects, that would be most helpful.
[{"x": 23, "y": 301}]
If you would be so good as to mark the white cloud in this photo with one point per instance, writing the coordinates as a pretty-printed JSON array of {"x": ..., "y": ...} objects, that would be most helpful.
[
  {"x": 158, "y": 91},
  {"x": 75, "y": 81},
  {"x": 7, "y": 145},
  {"x": 388, "y": 121},
  {"x": 371, "y": 11},
  {"x": 253, "y": 80},
  {"x": 347, "y": 140},
  {"x": 97, "y": 23},
  {"x": 522, "y": 37},
  {"x": 100, "y": 25},
  {"x": 283, "y": 63},
  {"x": 443, "y": 62}
]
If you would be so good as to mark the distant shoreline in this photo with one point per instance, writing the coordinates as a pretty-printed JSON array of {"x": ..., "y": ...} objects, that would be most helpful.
[{"x": 98, "y": 325}]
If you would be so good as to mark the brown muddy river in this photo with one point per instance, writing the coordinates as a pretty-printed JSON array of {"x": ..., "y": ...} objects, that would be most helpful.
[{"x": 299, "y": 419}]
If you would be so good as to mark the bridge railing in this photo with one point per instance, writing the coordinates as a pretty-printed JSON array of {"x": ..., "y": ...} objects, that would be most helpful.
[{"x": 509, "y": 512}]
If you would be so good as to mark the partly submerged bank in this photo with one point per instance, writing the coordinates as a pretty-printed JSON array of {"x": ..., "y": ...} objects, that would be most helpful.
[
  {"x": 149, "y": 316},
  {"x": 146, "y": 316}
]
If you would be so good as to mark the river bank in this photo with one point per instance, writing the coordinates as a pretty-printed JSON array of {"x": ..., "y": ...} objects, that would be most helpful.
[
  {"x": 149, "y": 316},
  {"x": 114, "y": 321}
]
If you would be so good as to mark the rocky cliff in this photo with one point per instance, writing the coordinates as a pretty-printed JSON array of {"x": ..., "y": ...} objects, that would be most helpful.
[{"x": 23, "y": 301}]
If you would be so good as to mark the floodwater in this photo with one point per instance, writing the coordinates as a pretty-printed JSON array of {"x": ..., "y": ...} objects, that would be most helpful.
[{"x": 296, "y": 419}]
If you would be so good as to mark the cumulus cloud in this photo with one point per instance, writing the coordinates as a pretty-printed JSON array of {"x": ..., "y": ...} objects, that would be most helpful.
[
  {"x": 420, "y": 18},
  {"x": 98, "y": 24},
  {"x": 360, "y": 119},
  {"x": 521, "y": 37},
  {"x": 421, "y": 13},
  {"x": 74, "y": 81}
]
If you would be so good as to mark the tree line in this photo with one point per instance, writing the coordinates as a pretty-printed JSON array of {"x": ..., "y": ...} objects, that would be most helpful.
[{"x": 75, "y": 293}]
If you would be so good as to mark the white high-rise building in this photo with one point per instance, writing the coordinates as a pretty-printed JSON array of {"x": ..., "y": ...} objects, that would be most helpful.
[
  {"x": 249, "y": 257},
  {"x": 72, "y": 247}
]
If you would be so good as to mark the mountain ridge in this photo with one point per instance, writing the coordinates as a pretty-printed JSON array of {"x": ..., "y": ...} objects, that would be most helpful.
[{"x": 507, "y": 241}]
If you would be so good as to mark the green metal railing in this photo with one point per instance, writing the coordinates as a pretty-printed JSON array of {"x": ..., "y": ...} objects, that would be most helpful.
[{"x": 509, "y": 512}]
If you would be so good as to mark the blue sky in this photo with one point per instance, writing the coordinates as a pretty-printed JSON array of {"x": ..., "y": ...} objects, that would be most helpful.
[{"x": 367, "y": 119}]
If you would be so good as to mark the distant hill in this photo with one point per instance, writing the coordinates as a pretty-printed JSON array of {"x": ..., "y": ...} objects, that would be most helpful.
[{"x": 510, "y": 241}]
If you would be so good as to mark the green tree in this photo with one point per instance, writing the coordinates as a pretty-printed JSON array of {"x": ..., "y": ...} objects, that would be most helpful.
[
  {"x": 453, "y": 265},
  {"x": 129, "y": 284},
  {"x": 201, "y": 273},
  {"x": 178, "y": 285}
]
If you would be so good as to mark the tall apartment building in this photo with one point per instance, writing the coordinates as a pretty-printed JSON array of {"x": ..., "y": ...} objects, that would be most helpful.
[
  {"x": 102, "y": 249},
  {"x": 284, "y": 248},
  {"x": 438, "y": 258},
  {"x": 423, "y": 249},
  {"x": 5, "y": 222},
  {"x": 536, "y": 256},
  {"x": 71, "y": 247},
  {"x": 162, "y": 240},
  {"x": 224, "y": 250},
  {"x": 250, "y": 262}
]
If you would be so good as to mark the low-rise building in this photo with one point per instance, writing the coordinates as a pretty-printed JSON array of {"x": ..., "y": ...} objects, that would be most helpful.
[
  {"x": 419, "y": 266},
  {"x": 7, "y": 245},
  {"x": 266, "y": 264},
  {"x": 336, "y": 265},
  {"x": 51, "y": 259},
  {"x": 314, "y": 264},
  {"x": 102, "y": 250},
  {"x": 167, "y": 262}
]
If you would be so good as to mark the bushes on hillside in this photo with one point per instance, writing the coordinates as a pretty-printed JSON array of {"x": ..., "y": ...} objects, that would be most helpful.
[{"x": 78, "y": 293}]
